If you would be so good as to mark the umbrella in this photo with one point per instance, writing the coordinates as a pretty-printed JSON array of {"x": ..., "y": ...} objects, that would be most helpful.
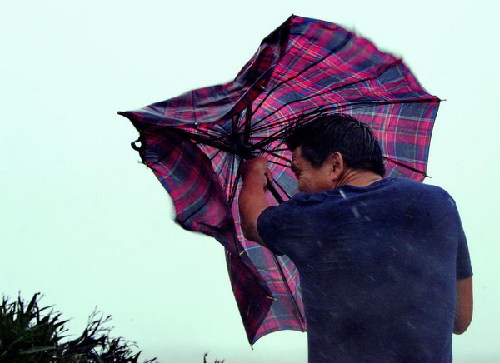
[{"x": 194, "y": 144}]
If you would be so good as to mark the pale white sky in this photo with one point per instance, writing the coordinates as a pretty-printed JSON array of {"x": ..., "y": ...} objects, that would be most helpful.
[{"x": 87, "y": 225}]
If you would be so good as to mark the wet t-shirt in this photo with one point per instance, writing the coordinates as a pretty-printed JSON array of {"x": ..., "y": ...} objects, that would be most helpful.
[{"x": 378, "y": 268}]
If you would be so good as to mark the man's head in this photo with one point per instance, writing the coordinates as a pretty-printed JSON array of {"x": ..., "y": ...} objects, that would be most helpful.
[{"x": 329, "y": 141}]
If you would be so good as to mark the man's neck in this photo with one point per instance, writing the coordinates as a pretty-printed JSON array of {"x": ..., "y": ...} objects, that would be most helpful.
[{"x": 358, "y": 178}]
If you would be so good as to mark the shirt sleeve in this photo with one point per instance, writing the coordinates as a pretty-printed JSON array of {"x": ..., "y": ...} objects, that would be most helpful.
[
  {"x": 271, "y": 225},
  {"x": 451, "y": 225}
]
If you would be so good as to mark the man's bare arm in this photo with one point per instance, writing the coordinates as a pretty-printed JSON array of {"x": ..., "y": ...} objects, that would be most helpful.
[
  {"x": 463, "y": 311},
  {"x": 252, "y": 200}
]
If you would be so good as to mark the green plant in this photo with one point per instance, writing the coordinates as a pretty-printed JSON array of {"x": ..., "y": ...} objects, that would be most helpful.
[
  {"x": 29, "y": 333},
  {"x": 216, "y": 361}
]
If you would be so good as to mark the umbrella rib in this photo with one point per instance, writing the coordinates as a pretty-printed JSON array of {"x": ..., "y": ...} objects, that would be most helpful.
[
  {"x": 275, "y": 136},
  {"x": 276, "y": 122},
  {"x": 208, "y": 139},
  {"x": 212, "y": 157},
  {"x": 277, "y": 156},
  {"x": 233, "y": 183},
  {"x": 342, "y": 107},
  {"x": 376, "y": 103},
  {"x": 277, "y": 149},
  {"x": 216, "y": 135},
  {"x": 399, "y": 163},
  {"x": 248, "y": 123}
]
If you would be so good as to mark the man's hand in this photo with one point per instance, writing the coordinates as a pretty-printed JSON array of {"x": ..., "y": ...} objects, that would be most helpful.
[
  {"x": 252, "y": 200},
  {"x": 256, "y": 170}
]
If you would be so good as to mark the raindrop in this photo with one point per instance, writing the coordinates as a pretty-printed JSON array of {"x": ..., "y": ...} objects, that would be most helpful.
[
  {"x": 355, "y": 212},
  {"x": 411, "y": 325}
]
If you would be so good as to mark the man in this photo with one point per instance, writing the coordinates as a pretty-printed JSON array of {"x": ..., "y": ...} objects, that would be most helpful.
[{"x": 384, "y": 265}]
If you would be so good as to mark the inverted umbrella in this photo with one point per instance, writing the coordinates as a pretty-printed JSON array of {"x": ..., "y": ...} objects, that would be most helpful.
[{"x": 195, "y": 143}]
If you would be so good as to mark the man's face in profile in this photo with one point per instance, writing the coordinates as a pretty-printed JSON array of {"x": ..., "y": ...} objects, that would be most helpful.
[{"x": 310, "y": 178}]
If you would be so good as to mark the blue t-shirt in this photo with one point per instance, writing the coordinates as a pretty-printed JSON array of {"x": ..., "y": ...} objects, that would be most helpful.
[{"x": 378, "y": 268}]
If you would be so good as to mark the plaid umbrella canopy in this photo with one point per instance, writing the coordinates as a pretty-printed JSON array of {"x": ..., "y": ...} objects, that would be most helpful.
[{"x": 194, "y": 144}]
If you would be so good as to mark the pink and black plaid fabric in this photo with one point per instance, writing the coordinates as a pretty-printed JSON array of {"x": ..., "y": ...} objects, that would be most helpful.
[{"x": 195, "y": 142}]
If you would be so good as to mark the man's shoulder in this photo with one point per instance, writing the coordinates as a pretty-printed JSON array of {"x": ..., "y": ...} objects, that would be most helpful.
[
  {"x": 426, "y": 196},
  {"x": 410, "y": 185},
  {"x": 386, "y": 190}
]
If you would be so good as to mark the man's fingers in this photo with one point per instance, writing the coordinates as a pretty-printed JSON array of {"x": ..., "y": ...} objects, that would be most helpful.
[
  {"x": 269, "y": 177},
  {"x": 255, "y": 165}
]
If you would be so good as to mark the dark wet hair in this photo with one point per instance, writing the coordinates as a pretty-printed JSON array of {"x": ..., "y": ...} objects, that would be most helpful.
[{"x": 319, "y": 136}]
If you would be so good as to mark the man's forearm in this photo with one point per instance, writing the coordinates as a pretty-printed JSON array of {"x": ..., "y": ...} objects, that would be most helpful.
[
  {"x": 463, "y": 312},
  {"x": 252, "y": 202}
]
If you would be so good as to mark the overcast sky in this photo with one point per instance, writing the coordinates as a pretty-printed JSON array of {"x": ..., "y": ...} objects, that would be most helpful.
[{"x": 86, "y": 224}]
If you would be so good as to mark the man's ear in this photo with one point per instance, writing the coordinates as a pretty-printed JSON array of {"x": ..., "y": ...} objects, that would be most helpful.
[{"x": 337, "y": 165}]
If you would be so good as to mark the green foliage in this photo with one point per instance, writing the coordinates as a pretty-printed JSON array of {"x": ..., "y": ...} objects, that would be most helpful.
[
  {"x": 216, "y": 361},
  {"x": 32, "y": 334}
]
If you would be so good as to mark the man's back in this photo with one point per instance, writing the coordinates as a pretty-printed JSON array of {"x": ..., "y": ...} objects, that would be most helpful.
[{"x": 378, "y": 267}]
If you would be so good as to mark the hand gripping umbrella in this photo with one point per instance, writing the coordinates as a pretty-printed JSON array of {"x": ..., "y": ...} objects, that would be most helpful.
[{"x": 195, "y": 143}]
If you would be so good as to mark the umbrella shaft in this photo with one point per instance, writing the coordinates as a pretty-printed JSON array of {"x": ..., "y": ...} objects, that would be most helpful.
[{"x": 274, "y": 192}]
